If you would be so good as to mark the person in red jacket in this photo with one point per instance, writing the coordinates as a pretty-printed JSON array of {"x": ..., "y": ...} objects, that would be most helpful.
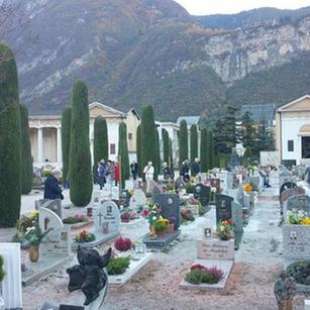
[{"x": 116, "y": 173}]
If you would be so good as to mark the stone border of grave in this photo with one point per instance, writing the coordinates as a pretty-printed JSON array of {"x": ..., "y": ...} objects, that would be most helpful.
[
  {"x": 134, "y": 267},
  {"x": 225, "y": 266},
  {"x": 27, "y": 280},
  {"x": 77, "y": 226}
]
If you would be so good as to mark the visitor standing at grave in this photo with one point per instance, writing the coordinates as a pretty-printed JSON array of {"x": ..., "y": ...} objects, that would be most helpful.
[
  {"x": 149, "y": 175},
  {"x": 167, "y": 172},
  {"x": 52, "y": 189},
  {"x": 195, "y": 168},
  {"x": 134, "y": 170},
  {"x": 102, "y": 173},
  {"x": 117, "y": 173},
  {"x": 184, "y": 171},
  {"x": 109, "y": 173}
]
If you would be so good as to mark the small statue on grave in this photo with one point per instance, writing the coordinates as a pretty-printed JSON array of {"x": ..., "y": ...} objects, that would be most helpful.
[
  {"x": 89, "y": 276},
  {"x": 285, "y": 290}
]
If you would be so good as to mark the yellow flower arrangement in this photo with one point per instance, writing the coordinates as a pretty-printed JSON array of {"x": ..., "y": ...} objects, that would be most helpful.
[
  {"x": 305, "y": 221},
  {"x": 248, "y": 188}
]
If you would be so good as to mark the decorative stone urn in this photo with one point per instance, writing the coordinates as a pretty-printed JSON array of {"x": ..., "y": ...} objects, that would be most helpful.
[{"x": 34, "y": 253}]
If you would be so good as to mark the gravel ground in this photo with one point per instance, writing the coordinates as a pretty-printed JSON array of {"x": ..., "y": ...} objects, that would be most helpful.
[{"x": 258, "y": 262}]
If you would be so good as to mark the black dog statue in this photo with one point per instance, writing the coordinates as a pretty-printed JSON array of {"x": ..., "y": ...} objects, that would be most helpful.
[{"x": 89, "y": 276}]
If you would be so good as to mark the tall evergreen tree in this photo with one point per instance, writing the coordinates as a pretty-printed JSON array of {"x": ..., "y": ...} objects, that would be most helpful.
[
  {"x": 148, "y": 136},
  {"x": 170, "y": 160},
  {"x": 203, "y": 150},
  {"x": 194, "y": 142},
  {"x": 265, "y": 140},
  {"x": 183, "y": 140},
  {"x": 65, "y": 141},
  {"x": 10, "y": 140},
  {"x": 26, "y": 164},
  {"x": 81, "y": 182},
  {"x": 210, "y": 150},
  {"x": 157, "y": 161},
  {"x": 101, "y": 142},
  {"x": 139, "y": 150},
  {"x": 123, "y": 153},
  {"x": 166, "y": 146},
  {"x": 248, "y": 134}
]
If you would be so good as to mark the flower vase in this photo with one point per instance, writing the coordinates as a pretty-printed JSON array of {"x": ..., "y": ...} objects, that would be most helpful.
[
  {"x": 286, "y": 304},
  {"x": 34, "y": 253},
  {"x": 153, "y": 234}
]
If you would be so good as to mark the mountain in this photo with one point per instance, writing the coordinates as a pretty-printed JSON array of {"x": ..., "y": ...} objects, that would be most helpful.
[
  {"x": 252, "y": 18},
  {"x": 137, "y": 52}
]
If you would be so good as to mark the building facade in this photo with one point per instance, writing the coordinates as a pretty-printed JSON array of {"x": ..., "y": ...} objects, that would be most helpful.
[
  {"x": 293, "y": 131},
  {"x": 45, "y": 134}
]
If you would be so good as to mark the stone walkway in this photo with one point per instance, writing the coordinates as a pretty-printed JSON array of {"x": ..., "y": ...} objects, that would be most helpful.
[{"x": 258, "y": 262}]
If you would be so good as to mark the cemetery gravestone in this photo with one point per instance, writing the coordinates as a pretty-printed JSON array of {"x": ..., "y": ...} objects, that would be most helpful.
[
  {"x": 170, "y": 208},
  {"x": 11, "y": 284},
  {"x": 202, "y": 193},
  {"x": 289, "y": 193},
  {"x": 223, "y": 208},
  {"x": 298, "y": 203},
  {"x": 237, "y": 218},
  {"x": 138, "y": 199},
  {"x": 287, "y": 185},
  {"x": 50, "y": 220},
  {"x": 213, "y": 249},
  {"x": 53, "y": 205},
  {"x": 107, "y": 220}
]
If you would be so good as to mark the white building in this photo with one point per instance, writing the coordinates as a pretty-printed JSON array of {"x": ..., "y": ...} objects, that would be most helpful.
[
  {"x": 172, "y": 129},
  {"x": 293, "y": 131},
  {"x": 45, "y": 134}
]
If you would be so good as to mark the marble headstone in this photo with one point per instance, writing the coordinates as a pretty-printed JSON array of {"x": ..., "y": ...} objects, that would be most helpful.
[
  {"x": 107, "y": 218},
  {"x": 170, "y": 207},
  {"x": 50, "y": 220},
  {"x": 53, "y": 205},
  {"x": 223, "y": 207},
  {"x": 298, "y": 203},
  {"x": 202, "y": 193}
]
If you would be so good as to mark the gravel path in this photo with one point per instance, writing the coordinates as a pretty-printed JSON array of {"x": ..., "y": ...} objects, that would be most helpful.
[{"x": 258, "y": 262}]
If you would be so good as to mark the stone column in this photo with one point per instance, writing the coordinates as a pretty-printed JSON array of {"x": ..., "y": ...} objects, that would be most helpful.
[
  {"x": 40, "y": 145},
  {"x": 59, "y": 150}
]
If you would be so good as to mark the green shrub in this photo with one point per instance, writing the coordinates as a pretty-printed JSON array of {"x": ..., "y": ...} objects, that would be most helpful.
[
  {"x": 123, "y": 153},
  {"x": 118, "y": 265},
  {"x": 300, "y": 271},
  {"x": 80, "y": 171},
  {"x": 27, "y": 169},
  {"x": 10, "y": 140},
  {"x": 183, "y": 142},
  {"x": 65, "y": 141},
  {"x": 101, "y": 142},
  {"x": 2, "y": 273}
]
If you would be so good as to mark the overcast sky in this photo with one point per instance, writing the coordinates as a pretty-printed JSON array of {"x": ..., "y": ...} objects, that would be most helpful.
[{"x": 205, "y": 7}]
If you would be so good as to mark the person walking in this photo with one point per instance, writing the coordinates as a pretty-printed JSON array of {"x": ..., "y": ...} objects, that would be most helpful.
[
  {"x": 195, "y": 169},
  {"x": 184, "y": 171},
  {"x": 102, "y": 173},
  {"x": 52, "y": 189},
  {"x": 134, "y": 170},
  {"x": 117, "y": 173},
  {"x": 149, "y": 175}
]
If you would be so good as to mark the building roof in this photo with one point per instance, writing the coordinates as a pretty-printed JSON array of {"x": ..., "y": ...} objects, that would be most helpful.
[
  {"x": 190, "y": 120},
  {"x": 299, "y": 104},
  {"x": 106, "y": 108},
  {"x": 260, "y": 112}
]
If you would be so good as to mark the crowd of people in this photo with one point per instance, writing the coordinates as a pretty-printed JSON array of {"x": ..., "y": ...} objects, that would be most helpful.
[{"x": 107, "y": 172}]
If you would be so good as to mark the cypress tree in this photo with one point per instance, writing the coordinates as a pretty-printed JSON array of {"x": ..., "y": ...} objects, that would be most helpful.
[
  {"x": 210, "y": 150},
  {"x": 194, "y": 142},
  {"x": 148, "y": 136},
  {"x": 123, "y": 153},
  {"x": 10, "y": 140},
  {"x": 65, "y": 141},
  {"x": 26, "y": 164},
  {"x": 157, "y": 161},
  {"x": 203, "y": 150},
  {"x": 139, "y": 150},
  {"x": 166, "y": 146},
  {"x": 81, "y": 184},
  {"x": 101, "y": 143},
  {"x": 183, "y": 140},
  {"x": 170, "y": 158}
]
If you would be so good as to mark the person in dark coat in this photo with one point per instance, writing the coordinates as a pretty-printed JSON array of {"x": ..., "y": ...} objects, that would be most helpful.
[
  {"x": 195, "y": 167},
  {"x": 134, "y": 170},
  {"x": 52, "y": 189},
  {"x": 184, "y": 171}
]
